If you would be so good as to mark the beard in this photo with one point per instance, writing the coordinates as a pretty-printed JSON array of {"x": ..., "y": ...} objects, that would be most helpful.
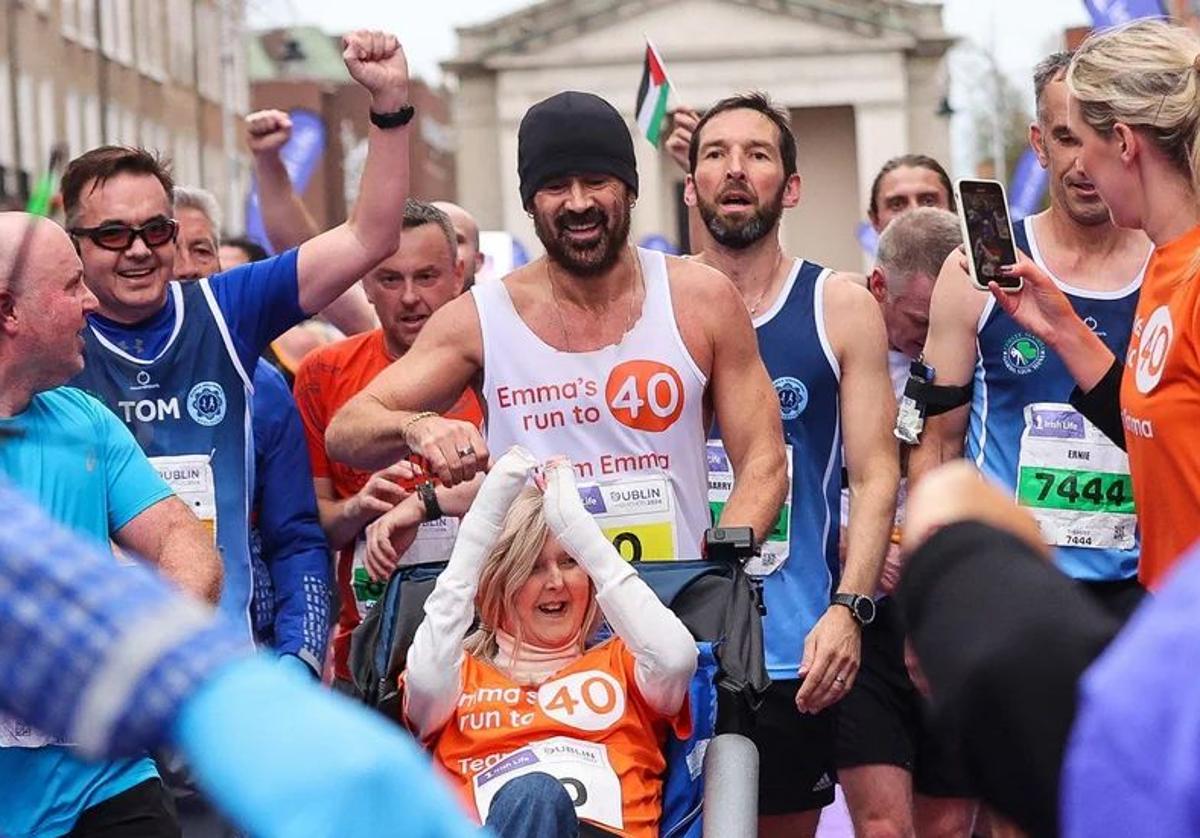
[
  {"x": 590, "y": 259},
  {"x": 740, "y": 234}
]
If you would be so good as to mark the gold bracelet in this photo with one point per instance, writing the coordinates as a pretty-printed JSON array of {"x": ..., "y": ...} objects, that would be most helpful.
[{"x": 414, "y": 419}]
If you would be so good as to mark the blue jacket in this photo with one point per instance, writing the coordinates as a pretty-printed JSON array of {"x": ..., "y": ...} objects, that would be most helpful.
[{"x": 293, "y": 574}]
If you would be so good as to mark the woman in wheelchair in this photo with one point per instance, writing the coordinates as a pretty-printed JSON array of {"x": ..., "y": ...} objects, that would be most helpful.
[{"x": 546, "y": 732}]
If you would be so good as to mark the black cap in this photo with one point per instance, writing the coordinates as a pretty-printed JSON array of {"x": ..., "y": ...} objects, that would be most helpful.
[{"x": 573, "y": 133}]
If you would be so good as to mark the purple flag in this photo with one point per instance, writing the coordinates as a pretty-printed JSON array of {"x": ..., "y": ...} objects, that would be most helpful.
[
  {"x": 299, "y": 155},
  {"x": 868, "y": 239},
  {"x": 1027, "y": 186},
  {"x": 1106, "y": 13}
]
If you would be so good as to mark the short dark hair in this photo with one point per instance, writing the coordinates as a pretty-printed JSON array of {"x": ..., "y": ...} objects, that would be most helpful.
[
  {"x": 761, "y": 103},
  {"x": 912, "y": 161},
  {"x": 100, "y": 164},
  {"x": 419, "y": 213},
  {"x": 254, "y": 251},
  {"x": 1047, "y": 70}
]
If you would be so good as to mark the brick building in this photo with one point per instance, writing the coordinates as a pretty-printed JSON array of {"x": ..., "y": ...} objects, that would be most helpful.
[{"x": 165, "y": 74}]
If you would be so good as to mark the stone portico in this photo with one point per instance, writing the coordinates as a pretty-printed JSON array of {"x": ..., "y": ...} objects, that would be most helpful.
[{"x": 862, "y": 79}]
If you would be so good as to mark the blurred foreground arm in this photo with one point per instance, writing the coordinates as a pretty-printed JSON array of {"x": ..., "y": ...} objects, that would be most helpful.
[
  {"x": 112, "y": 658},
  {"x": 1002, "y": 637}
]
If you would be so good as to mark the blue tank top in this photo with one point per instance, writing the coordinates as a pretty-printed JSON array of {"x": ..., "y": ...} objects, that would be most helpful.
[
  {"x": 804, "y": 370},
  {"x": 1017, "y": 374},
  {"x": 188, "y": 408}
]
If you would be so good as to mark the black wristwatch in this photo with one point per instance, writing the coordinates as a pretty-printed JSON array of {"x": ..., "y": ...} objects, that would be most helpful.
[
  {"x": 428, "y": 496},
  {"x": 395, "y": 119},
  {"x": 862, "y": 608}
]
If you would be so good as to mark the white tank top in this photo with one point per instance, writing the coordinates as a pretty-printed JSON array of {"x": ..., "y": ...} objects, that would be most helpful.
[{"x": 629, "y": 416}]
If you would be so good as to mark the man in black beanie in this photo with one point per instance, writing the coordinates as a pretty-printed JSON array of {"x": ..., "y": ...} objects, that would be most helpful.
[{"x": 618, "y": 358}]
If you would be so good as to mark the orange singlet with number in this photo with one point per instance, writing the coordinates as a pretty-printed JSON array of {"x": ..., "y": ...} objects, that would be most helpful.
[
  {"x": 587, "y": 726},
  {"x": 1160, "y": 406}
]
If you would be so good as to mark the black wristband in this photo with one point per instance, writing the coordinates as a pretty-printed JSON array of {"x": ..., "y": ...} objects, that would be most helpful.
[
  {"x": 428, "y": 495},
  {"x": 395, "y": 119}
]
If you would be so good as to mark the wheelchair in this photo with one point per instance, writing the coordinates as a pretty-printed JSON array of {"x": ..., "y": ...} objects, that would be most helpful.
[{"x": 710, "y": 787}]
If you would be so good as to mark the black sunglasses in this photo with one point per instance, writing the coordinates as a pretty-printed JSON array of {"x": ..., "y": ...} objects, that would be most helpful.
[{"x": 155, "y": 233}]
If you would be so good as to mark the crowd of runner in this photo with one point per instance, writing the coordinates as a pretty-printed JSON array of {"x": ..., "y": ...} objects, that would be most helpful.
[{"x": 272, "y": 436}]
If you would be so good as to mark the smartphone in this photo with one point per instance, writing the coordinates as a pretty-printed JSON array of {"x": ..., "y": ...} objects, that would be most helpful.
[{"x": 987, "y": 232}]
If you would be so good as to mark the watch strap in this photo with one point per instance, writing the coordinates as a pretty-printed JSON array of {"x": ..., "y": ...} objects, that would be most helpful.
[
  {"x": 428, "y": 495},
  {"x": 851, "y": 601},
  {"x": 395, "y": 119}
]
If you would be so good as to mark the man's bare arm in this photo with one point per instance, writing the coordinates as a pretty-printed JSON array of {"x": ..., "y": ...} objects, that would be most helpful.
[
  {"x": 954, "y": 314},
  {"x": 286, "y": 220},
  {"x": 868, "y": 412},
  {"x": 331, "y": 262},
  {"x": 168, "y": 535},
  {"x": 747, "y": 410},
  {"x": 833, "y": 648},
  {"x": 369, "y": 431}
]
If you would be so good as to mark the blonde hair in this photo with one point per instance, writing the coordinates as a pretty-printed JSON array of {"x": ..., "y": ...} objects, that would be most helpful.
[
  {"x": 1145, "y": 74},
  {"x": 506, "y": 569}
]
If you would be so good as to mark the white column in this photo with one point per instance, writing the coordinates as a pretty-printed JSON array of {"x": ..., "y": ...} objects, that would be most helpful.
[{"x": 880, "y": 133}]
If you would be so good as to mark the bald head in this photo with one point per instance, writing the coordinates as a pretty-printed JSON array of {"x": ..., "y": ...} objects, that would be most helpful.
[
  {"x": 40, "y": 245},
  {"x": 466, "y": 233},
  {"x": 43, "y": 308}
]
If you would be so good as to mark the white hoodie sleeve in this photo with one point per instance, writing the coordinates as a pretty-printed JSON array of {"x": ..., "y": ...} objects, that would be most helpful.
[
  {"x": 663, "y": 648},
  {"x": 433, "y": 676}
]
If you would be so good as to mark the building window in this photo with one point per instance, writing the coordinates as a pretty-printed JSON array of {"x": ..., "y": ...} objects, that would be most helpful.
[
  {"x": 116, "y": 30},
  {"x": 69, "y": 19},
  {"x": 47, "y": 122},
  {"x": 86, "y": 19},
  {"x": 124, "y": 26},
  {"x": 74, "y": 113},
  {"x": 27, "y": 126},
  {"x": 8, "y": 161},
  {"x": 92, "y": 135},
  {"x": 108, "y": 29},
  {"x": 151, "y": 42},
  {"x": 183, "y": 47}
]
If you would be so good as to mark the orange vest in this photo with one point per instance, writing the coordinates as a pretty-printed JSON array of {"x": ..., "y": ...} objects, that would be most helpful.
[
  {"x": 588, "y": 726},
  {"x": 1160, "y": 407}
]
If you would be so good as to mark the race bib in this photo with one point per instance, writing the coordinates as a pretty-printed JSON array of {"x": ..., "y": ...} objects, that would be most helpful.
[
  {"x": 434, "y": 541},
  {"x": 582, "y": 768},
  {"x": 191, "y": 477},
  {"x": 637, "y": 516},
  {"x": 1074, "y": 480},
  {"x": 776, "y": 545}
]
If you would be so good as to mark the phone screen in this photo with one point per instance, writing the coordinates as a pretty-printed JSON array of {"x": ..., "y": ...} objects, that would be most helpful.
[{"x": 989, "y": 232}]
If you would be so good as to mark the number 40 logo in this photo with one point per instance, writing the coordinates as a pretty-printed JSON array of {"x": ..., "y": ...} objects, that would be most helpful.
[
  {"x": 644, "y": 395},
  {"x": 591, "y": 700}
]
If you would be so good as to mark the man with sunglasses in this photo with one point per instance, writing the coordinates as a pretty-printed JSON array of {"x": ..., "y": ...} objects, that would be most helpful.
[{"x": 175, "y": 361}]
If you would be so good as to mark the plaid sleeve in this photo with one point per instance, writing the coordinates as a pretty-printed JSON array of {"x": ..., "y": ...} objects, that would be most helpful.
[{"x": 92, "y": 651}]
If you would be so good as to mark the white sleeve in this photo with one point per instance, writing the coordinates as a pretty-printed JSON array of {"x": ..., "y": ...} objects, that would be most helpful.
[
  {"x": 663, "y": 648},
  {"x": 432, "y": 679}
]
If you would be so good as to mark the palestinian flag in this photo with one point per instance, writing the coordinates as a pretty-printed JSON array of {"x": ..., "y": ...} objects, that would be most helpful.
[{"x": 652, "y": 96}]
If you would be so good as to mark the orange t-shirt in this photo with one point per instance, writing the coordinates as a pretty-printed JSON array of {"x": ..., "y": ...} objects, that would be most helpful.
[
  {"x": 327, "y": 379},
  {"x": 1160, "y": 406},
  {"x": 588, "y": 726}
]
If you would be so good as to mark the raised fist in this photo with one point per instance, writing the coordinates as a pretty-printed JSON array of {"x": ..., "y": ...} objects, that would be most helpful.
[
  {"x": 267, "y": 131},
  {"x": 376, "y": 61}
]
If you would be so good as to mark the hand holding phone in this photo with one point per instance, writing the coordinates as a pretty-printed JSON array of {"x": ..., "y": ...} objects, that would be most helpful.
[{"x": 987, "y": 232}]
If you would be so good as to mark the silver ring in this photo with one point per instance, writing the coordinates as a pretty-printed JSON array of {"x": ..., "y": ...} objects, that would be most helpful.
[
  {"x": 840, "y": 679},
  {"x": 466, "y": 451}
]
